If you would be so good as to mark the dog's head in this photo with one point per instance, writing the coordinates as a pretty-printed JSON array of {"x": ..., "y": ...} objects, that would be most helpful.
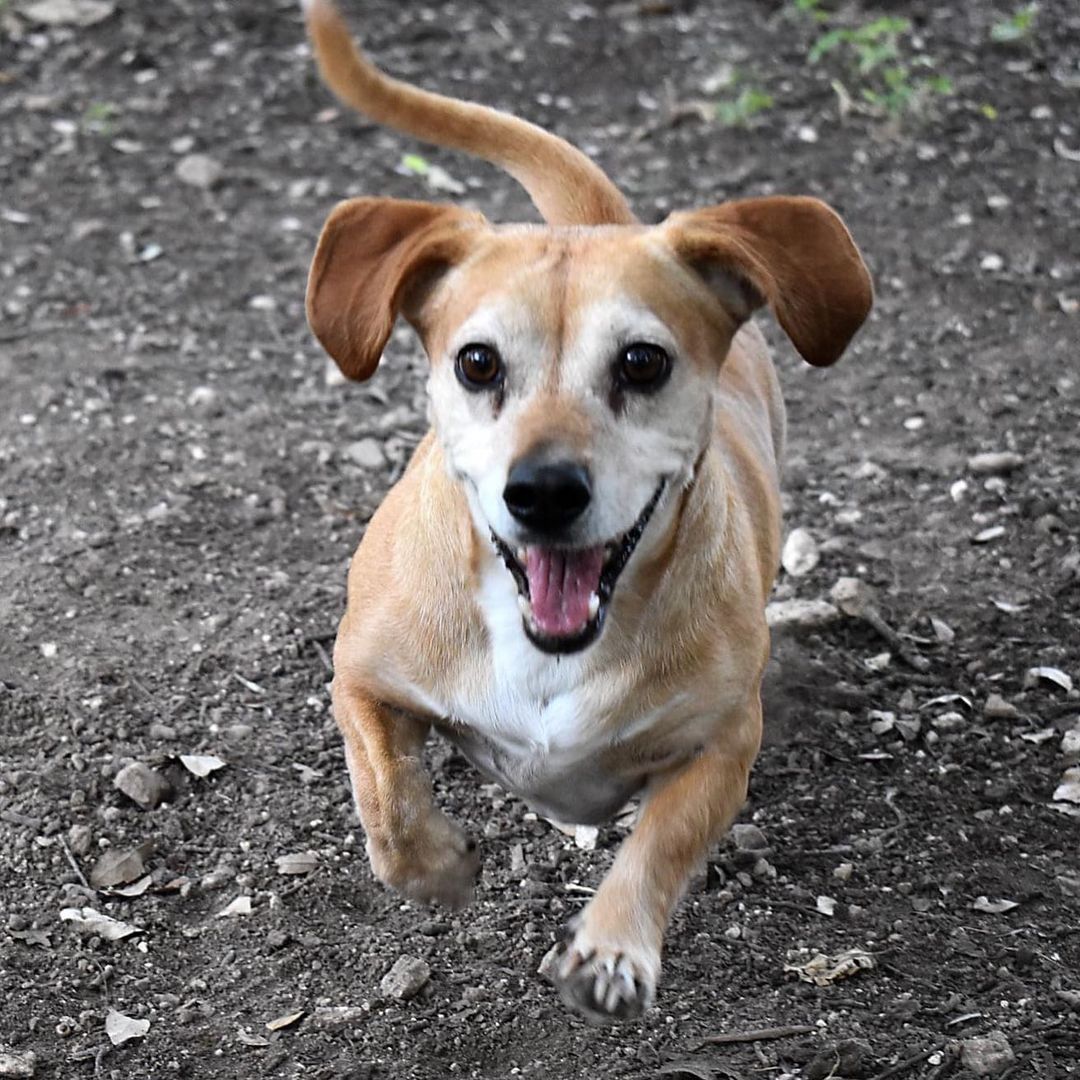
[{"x": 574, "y": 369}]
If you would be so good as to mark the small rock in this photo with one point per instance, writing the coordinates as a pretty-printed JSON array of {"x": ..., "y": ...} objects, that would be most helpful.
[
  {"x": 549, "y": 963},
  {"x": 199, "y": 170},
  {"x": 800, "y": 613},
  {"x": 997, "y": 708},
  {"x": 332, "y": 1017},
  {"x": 849, "y": 1058},
  {"x": 751, "y": 844},
  {"x": 366, "y": 453},
  {"x": 995, "y": 462},
  {"x": 142, "y": 785},
  {"x": 405, "y": 979},
  {"x": 987, "y": 1055},
  {"x": 800, "y": 554},
  {"x": 992, "y": 263},
  {"x": 13, "y": 1063},
  {"x": 203, "y": 399},
  {"x": 78, "y": 839}
]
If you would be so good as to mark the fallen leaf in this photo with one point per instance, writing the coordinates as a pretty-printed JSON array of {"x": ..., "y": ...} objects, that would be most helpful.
[
  {"x": 822, "y": 969},
  {"x": 438, "y": 179},
  {"x": 942, "y": 631},
  {"x": 32, "y": 937},
  {"x": 282, "y": 1022},
  {"x": 251, "y": 1040},
  {"x": 993, "y": 907},
  {"x": 136, "y": 888},
  {"x": 796, "y": 612},
  {"x": 987, "y": 535},
  {"x": 240, "y": 906},
  {"x": 201, "y": 765},
  {"x": 800, "y": 554},
  {"x": 947, "y": 699},
  {"x": 118, "y": 866},
  {"x": 121, "y": 1028},
  {"x": 1055, "y": 675},
  {"x": 88, "y": 921},
  {"x": 302, "y": 862},
  {"x": 1038, "y": 737}
]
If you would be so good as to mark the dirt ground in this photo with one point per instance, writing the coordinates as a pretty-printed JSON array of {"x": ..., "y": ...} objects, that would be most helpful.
[{"x": 181, "y": 489}]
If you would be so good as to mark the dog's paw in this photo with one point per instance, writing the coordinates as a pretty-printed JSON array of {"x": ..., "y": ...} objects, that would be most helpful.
[
  {"x": 435, "y": 864},
  {"x": 606, "y": 980}
]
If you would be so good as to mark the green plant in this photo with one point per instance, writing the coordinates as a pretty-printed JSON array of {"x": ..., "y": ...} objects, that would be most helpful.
[
  {"x": 99, "y": 116},
  {"x": 1016, "y": 27},
  {"x": 738, "y": 111},
  {"x": 877, "y": 56}
]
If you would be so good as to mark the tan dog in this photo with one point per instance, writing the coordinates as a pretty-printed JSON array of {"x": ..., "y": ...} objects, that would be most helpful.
[{"x": 569, "y": 582}]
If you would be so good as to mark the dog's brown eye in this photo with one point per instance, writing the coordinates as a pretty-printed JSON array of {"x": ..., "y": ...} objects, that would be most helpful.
[
  {"x": 643, "y": 366},
  {"x": 478, "y": 367}
]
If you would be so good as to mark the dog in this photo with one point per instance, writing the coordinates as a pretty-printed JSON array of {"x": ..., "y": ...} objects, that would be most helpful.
[{"x": 569, "y": 582}]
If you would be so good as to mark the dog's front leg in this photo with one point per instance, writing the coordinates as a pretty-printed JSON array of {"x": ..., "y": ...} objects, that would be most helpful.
[
  {"x": 611, "y": 966},
  {"x": 413, "y": 847}
]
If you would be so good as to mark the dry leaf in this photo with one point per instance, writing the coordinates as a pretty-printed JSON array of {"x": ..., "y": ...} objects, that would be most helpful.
[
  {"x": 1054, "y": 675},
  {"x": 251, "y": 1040},
  {"x": 993, "y": 907},
  {"x": 136, "y": 888},
  {"x": 942, "y": 631},
  {"x": 987, "y": 535},
  {"x": 800, "y": 554},
  {"x": 282, "y": 1022},
  {"x": 822, "y": 970},
  {"x": 120, "y": 1028},
  {"x": 201, "y": 765},
  {"x": 240, "y": 906},
  {"x": 88, "y": 921},
  {"x": 118, "y": 867},
  {"x": 796, "y": 612}
]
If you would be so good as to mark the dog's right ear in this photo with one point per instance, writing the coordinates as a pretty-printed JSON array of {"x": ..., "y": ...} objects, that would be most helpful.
[{"x": 375, "y": 259}]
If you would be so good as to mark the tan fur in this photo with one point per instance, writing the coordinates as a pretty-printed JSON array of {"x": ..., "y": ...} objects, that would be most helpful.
[{"x": 666, "y": 700}]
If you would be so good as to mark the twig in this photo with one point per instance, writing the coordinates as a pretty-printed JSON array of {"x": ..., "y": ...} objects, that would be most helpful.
[
  {"x": 873, "y": 617},
  {"x": 757, "y": 1035},
  {"x": 907, "y": 1063},
  {"x": 74, "y": 865},
  {"x": 321, "y": 653}
]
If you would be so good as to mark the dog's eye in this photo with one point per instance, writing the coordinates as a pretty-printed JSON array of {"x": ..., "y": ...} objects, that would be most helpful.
[
  {"x": 478, "y": 367},
  {"x": 643, "y": 367}
]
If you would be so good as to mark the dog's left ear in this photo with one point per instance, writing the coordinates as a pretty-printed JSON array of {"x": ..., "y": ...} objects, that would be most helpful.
[
  {"x": 792, "y": 253},
  {"x": 376, "y": 259}
]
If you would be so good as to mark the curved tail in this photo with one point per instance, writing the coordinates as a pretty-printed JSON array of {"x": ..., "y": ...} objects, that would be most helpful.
[{"x": 566, "y": 187}]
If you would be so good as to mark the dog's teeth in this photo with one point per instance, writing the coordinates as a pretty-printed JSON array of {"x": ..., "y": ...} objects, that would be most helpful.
[
  {"x": 594, "y": 605},
  {"x": 522, "y": 555},
  {"x": 524, "y": 606}
]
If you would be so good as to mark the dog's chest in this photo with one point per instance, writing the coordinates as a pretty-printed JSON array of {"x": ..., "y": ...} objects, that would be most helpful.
[{"x": 540, "y": 724}]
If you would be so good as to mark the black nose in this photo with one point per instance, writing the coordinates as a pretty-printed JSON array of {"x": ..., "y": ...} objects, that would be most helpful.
[{"x": 547, "y": 495}]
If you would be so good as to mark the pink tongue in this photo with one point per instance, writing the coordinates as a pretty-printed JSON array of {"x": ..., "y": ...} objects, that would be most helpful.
[{"x": 560, "y": 584}]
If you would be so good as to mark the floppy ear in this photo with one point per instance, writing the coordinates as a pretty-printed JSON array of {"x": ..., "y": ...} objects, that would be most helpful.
[
  {"x": 372, "y": 262},
  {"x": 794, "y": 254}
]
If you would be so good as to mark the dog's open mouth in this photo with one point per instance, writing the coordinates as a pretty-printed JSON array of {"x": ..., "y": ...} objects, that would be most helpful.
[{"x": 564, "y": 593}]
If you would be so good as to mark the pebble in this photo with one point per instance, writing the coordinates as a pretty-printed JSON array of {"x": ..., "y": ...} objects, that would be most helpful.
[
  {"x": 748, "y": 838},
  {"x": 142, "y": 785},
  {"x": 405, "y": 979},
  {"x": 997, "y": 708},
  {"x": 366, "y": 453},
  {"x": 16, "y": 1064},
  {"x": 331, "y": 1017},
  {"x": 78, "y": 839},
  {"x": 199, "y": 170},
  {"x": 995, "y": 462},
  {"x": 849, "y": 1058},
  {"x": 987, "y": 1055},
  {"x": 800, "y": 613}
]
